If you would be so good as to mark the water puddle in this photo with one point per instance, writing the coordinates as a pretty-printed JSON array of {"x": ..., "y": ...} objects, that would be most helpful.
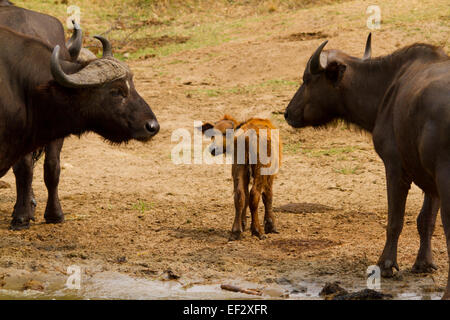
[{"x": 113, "y": 285}]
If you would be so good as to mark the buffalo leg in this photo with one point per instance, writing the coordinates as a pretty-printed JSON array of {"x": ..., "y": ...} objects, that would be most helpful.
[
  {"x": 397, "y": 189},
  {"x": 425, "y": 225},
  {"x": 25, "y": 202},
  {"x": 269, "y": 218},
  {"x": 52, "y": 170},
  {"x": 443, "y": 182}
]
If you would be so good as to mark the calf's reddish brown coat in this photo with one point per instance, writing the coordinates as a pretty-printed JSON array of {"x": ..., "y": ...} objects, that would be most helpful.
[{"x": 244, "y": 172}]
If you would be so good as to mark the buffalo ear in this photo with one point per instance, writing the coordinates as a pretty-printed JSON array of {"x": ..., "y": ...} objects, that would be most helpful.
[
  {"x": 335, "y": 71},
  {"x": 205, "y": 127}
]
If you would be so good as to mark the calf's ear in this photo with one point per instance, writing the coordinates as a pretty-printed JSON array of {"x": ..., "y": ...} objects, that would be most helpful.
[
  {"x": 205, "y": 127},
  {"x": 335, "y": 71}
]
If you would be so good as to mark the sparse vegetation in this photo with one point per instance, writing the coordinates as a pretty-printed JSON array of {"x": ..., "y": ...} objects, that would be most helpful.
[
  {"x": 315, "y": 153},
  {"x": 142, "y": 206},
  {"x": 348, "y": 170},
  {"x": 267, "y": 86},
  {"x": 142, "y": 29}
]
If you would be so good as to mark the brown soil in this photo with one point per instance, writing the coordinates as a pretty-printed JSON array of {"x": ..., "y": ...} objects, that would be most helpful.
[
  {"x": 302, "y": 36},
  {"x": 130, "y": 209}
]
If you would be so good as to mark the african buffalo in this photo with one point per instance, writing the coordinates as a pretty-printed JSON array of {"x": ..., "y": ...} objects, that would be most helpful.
[
  {"x": 403, "y": 99},
  {"x": 50, "y": 30},
  {"x": 44, "y": 97}
]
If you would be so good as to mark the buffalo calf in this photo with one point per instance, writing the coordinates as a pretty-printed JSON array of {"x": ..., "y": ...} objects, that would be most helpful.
[{"x": 256, "y": 156}]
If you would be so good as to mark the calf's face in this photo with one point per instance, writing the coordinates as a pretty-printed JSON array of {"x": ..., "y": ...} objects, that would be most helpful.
[
  {"x": 218, "y": 134},
  {"x": 318, "y": 100}
]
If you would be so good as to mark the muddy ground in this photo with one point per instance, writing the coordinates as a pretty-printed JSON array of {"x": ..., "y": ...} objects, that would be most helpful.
[{"x": 131, "y": 210}]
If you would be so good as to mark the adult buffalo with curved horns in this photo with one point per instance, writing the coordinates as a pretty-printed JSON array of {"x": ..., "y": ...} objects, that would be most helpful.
[
  {"x": 50, "y": 30},
  {"x": 403, "y": 99},
  {"x": 44, "y": 97}
]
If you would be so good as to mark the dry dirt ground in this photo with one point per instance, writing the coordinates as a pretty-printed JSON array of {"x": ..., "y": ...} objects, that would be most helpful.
[{"x": 131, "y": 210}]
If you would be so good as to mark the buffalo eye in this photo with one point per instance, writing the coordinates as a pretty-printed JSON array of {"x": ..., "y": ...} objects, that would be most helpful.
[{"x": 117, "y": 92}]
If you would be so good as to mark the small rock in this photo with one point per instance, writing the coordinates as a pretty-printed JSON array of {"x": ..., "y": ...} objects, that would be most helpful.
[
  {"x": 283, "y": 281},
  {"x": 269, "y": 280},
  {"x": 83, "y": 256},
  {"x": 295, "y": 288},
  {"x": 149, "y": 272},
  {"x": 299, "y": 290},
  {"x": 171, "y": 275},
  {"x": 67, "y": 166},
  {"x": 33, "y": 285},
  {"x": 4, "y": 185},
  {"x": 332, "y": 289},
  {"x": 122, "y": 259},
  {"x": 366, "y": 294}
]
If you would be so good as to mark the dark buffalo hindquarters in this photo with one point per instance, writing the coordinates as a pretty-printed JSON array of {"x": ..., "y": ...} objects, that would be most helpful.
[{"x": 403, "y": 99}]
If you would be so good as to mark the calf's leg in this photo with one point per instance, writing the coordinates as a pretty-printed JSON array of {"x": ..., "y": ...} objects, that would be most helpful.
[
  {"x": 244, "y": 210},
  {"x": 397, "y": 189},
  {"x": 425, "y": 225},
  {"x": 255, "y": 195},
  {"x": 52, "y": 171},
  {"x": 25, "y": 203},
  {"x": 269, "y": 218},
  {"x": 240, "y": 185}
]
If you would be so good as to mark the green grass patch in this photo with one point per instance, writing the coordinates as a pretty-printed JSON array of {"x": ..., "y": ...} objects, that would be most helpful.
[
  {"x": 274, "y": 85},
  {"x": 348, "y": 170},
  {"x": 142, "y": 206},
  {"x": 292, "y": 147},
  {"x": 314, "y": 153}
]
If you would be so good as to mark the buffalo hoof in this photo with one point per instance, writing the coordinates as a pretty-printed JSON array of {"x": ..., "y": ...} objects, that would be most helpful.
[
  {"x": 22, "y": 216},
  {"x": 387, "y": 268},
  {"x": 424, "y": 267},
  {"x": 20, "y": 223},
  {"x": 235, "y": 235},
  {"x": 270, "y": 228},
  {"x": 53, "y": 213},
  {"x": 54, "y": 219},
  {"x": 258, "y": 234}
]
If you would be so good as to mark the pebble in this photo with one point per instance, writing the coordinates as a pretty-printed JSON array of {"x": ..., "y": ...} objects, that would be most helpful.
[
  {"x": 33, "y": 285},
  {"x": 67, "y": 166}
]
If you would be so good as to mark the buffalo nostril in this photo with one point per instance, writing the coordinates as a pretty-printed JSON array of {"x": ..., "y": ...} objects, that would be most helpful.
[{"x": 152, "y": 127}]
